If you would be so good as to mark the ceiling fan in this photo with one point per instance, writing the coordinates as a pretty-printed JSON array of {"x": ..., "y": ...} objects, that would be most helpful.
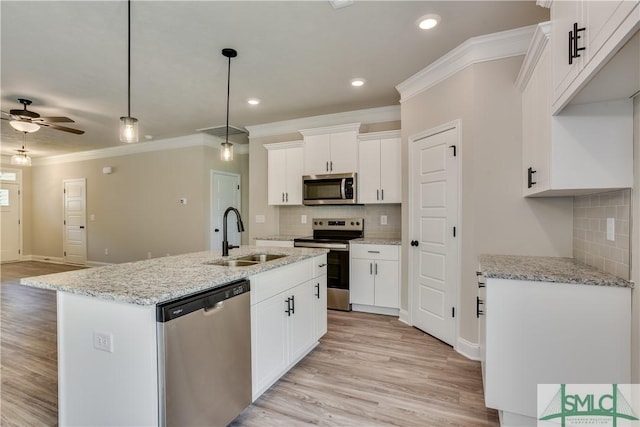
[{"x": 29, "y": 121}]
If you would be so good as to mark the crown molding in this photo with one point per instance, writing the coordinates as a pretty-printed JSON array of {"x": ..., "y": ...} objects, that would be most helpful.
[
  {"x": 504, "y": 44},
  {"x": 349, "y": 127},
  {"x": 193, "y": 140},
  {"x": 283, "y": 145},
  {"x": 371, "y": 115},
  {"x": 536, "y": 47},
  {"x": 385, "y": 134}
]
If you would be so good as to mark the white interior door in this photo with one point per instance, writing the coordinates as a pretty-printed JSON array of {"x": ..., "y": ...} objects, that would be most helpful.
[
  {"x": 10, "y": 221},
  {"x": 225, "y": 192},
  {"x": 75, "y": 221},
  {"x": 434, "y": 214}
]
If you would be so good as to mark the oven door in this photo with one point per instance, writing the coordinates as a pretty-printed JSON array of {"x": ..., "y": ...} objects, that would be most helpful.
[{"x": 338, "y": 280}]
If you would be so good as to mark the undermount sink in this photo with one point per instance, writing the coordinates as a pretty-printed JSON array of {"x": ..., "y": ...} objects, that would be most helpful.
[{"x": 247, "y": 260}]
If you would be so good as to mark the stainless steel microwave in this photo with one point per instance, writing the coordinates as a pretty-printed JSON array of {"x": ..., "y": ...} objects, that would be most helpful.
[{"x": 333, "y": 189}]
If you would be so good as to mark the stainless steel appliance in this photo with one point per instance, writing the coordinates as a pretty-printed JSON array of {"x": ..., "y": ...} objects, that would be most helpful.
[
  {"x": 204, "y": 357},
  {"x": 334, "y": 189},
  {"x": 334, "y": 234}
]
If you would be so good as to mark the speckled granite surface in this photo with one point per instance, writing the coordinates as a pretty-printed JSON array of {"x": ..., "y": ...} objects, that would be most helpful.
[
  {"x": 377, "y": 241},
  {"x": 162, "y": 279},
  {"x": 283, "y": 237},
  {"x": 546, "y": 269}
]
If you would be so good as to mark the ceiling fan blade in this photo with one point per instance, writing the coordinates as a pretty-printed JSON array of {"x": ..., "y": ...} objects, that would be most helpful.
[
  {"x": 62, "y": 128},
  {"x": 54, "y": 120}
]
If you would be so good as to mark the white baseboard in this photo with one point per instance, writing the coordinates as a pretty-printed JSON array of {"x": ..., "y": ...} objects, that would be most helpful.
[
  {"x": 42, "y": 258},
  {"x": 97, "y": 263},
  {"x": 468, "y": 349},
  {"x": 374, "y": 309},
  {"x": 404, "y": 317}
]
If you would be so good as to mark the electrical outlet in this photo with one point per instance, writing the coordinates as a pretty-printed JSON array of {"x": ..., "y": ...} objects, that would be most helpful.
[
  {"x": 383, "y": 220},
  {"x": 106, "y": 251},
  {"x": 103, "y": 341},
  {"x": 303, "y": 219},
  {"x": 183, "y": 201}
]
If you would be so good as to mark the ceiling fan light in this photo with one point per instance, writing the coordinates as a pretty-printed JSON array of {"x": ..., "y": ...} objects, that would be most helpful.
[
  {"x": 226, "y": 151},
  {"x": 21, "y": 159},
  {"x": 128, "y": 129},
  {"x": 24, "y": 126}
]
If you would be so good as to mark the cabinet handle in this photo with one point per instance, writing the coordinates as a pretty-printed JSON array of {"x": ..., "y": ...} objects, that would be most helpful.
[
  {"x": 382, "y": 194},
  {"x": 327, "y": 167},
  {"x": 370, "y": 268},
  {"x": 322, "y": 265},
  {"x": 331, "y": 166},
  {"x": 318, "y": 290},
  {"x": 376, "y": 269},
  {"x": 287, "y": 197},
  {"x": 479, "y": 302},
  {"x": 283, "y": 197},
  {"x": 293, "y": 304},
  {"x": 530, "y": 181},
  {"x": 374, "y": 252},
  {"x": 574, "y": 36},
  {"x": 288, "y": 310},
  {"x": 377, "y": 194}
]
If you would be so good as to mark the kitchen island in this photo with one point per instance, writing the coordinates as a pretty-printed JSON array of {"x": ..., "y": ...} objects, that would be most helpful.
[{"x": 116, "y": 382}]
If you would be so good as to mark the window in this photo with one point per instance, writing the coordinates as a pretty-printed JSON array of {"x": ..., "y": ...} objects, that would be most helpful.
[
  {"x": 8, "y": 176},
  {"x": 4, "y": 197}
]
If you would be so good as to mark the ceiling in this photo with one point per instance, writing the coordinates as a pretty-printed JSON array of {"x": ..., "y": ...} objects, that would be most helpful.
[{"x": 297, "y": 57}]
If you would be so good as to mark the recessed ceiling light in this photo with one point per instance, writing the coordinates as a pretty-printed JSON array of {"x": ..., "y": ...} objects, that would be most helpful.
[
  {"x": 253, "y": 101},
  {"x": 427, "y": 22},
  {"x": 357, "y": 82}
]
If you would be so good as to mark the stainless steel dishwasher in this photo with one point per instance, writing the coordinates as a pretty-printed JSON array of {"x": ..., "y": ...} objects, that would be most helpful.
[{"x": 204, "y": 357}]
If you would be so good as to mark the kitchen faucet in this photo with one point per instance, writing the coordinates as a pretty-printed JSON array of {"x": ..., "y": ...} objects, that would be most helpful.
[{"x": 225, "y": 243}]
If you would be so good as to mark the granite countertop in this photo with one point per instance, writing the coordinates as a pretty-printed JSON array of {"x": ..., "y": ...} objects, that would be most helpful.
[
  {"x": 282, "y": 237},
  {"x": 546, "y": 269},
  {"x": 157, "y": 280},
  {"x": 378, "y": 241}
]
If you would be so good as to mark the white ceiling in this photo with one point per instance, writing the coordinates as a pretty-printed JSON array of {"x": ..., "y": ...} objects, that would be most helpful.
[{"x": 70, "y": 58}]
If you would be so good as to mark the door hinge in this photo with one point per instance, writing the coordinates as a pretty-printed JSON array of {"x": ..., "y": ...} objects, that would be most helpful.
[
  {"x": 453, "y": 312},
  {"x": 454, "y": 232},
  {"x": 18, "y": 222},
  {"x": 64, "y": 222},
  {"x": 64, "y": 191},
  {"x": 455, "y": 152},
  {"x": 65, "y": 253},
  {"x": 238, "y": 187},
  {"x": 18, "y": 192},
  {"x": 19, "y": 251}
]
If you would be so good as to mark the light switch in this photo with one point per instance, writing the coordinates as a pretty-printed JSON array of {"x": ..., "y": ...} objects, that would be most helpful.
[
  {"x": 303, "y": 219},
  {"x": 611, "y": 229}
]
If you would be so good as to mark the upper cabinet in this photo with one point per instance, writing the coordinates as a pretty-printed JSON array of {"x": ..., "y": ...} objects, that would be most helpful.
[
  {"x": 285, "y": 173},
  {"x": 332, "y": 149},
  {"x": 379, "y": 177},
  {"x": 590, "y": 41},
  {"x": 583, "y": 149}
]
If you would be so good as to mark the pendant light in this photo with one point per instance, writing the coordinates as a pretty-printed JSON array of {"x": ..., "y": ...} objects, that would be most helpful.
[
  {"x": 128, "y": 124},
  {"x": 21, "y": 159},
  {"x": 226, "y": 148}
]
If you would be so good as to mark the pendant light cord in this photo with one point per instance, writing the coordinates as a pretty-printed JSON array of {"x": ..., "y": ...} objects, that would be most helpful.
[
  {"x": 129, "y": 60},
  {"x": 228, "y": 92}
]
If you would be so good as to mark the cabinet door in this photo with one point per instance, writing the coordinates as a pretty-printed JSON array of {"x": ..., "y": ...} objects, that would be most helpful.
[
  {"x": 369, "y": 171},
  {"x": 361, "y": 283},
  {"x": 563, "y": 15},
  {"x": 295, "y": 168},
  {"x": 602, "y": 19},
  {"x": 269, "y": 334},
  {"x": 317, "y": 153},
  {"x": 390, "y": 176},
  {"x": 301, "y": 321},
  {"x": 387, "y": 285},
  {"x": 277, "y": 176},
  {"x": 344, "y": 152},
  {"x": 320, "y": 305}
]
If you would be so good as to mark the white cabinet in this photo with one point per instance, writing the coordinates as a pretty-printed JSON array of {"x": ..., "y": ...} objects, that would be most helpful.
[
  {"x": 551, "y": 333},
  {"x": 331, "y": 149},
  {"x": 583, "y": 149},
  {"x": 586, "y": 34},
  {"x": 379, "y": 170},
  {"x": 285, "y": 163},
  {"x": 288, "y": 316},
  {"x": 375, "y": 278}
]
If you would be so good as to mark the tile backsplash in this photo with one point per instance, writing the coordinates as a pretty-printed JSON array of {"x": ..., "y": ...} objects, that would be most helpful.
[
  {"x": 290, "y": 219},
  {"x": 590, "y": 243}
]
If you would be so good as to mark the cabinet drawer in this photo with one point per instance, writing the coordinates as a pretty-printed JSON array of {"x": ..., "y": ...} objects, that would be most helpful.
[{"x": 390, "y": 252}]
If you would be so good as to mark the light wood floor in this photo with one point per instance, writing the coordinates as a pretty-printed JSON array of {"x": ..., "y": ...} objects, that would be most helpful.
[{"x": 369, "y": 370}]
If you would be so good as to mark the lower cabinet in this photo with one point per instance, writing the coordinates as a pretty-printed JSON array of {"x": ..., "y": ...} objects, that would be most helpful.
[
  {"x": 375, "y": 278},
  {"x": 286, "y": 320}
]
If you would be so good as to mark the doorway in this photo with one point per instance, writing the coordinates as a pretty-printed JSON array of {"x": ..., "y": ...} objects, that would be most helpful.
[
  {"x": 10, "y": 216},
  {"x": 74, "y": 242},
  {"x": 225, "y": 192},
  {"x": 434, "y": 227}
]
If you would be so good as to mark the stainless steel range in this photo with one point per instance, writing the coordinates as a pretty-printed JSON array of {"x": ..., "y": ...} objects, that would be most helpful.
[{"x": 335, "y": 234}]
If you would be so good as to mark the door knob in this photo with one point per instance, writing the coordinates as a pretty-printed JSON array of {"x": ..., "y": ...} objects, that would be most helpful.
[
  {"x": 217, "y": 230},
  {"x": 414, "y": 243}
]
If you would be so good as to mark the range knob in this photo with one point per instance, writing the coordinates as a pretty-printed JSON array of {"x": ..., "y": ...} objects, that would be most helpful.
[
  {"x": 315, "y": 222},
  {"x": 358, "y": 223},
  {"x": 320, "y": 222},
  {"x": 352, "y": 223}
]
